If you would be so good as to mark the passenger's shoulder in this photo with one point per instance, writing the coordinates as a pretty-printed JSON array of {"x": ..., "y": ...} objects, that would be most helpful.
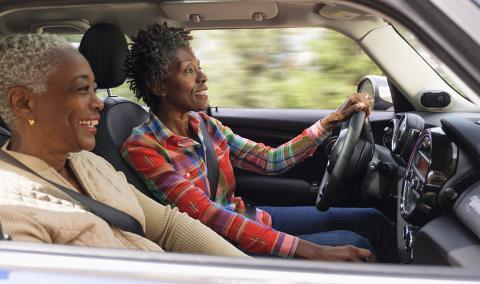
[
  {"x": 87, "y": 155},
  {"x": 91, "y": 159}
]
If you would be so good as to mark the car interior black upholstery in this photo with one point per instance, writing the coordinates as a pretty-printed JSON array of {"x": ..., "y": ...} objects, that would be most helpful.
[
  {"x": 4, "y": 132},
  {"x": 105, "y": 47}
]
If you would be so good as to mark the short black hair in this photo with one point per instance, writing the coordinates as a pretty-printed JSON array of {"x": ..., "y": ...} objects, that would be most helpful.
[{"x": 149, "y": 57}]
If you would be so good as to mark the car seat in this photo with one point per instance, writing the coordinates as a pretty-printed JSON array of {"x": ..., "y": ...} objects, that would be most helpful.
[
  {"x": 4, "y": 133},
  {"x": 105, "y": 47}
]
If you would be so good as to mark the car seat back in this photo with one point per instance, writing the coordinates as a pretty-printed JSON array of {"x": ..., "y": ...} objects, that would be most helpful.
[
  {"x": 4, "y": 133},
  {"x": 105, "y": 47}
]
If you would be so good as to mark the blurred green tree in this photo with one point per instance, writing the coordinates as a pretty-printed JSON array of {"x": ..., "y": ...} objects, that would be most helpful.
[{"x": 288, "y": 68}]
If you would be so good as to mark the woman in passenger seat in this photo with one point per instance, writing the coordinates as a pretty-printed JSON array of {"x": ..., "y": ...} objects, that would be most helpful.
[
  {"x": 168, "y": 154},
  {"x": 48, "y": 101}
]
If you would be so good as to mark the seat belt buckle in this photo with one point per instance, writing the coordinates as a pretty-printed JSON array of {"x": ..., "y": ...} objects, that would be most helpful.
[{"x": 4, "y": 237}]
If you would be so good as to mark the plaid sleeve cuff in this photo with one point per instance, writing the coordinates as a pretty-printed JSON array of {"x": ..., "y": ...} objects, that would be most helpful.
[
  {"x": 317, "y": 133},
  {"x": 285, "y": 246}
]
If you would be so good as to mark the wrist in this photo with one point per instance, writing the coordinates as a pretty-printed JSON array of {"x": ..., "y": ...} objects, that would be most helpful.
[
  {"x": 329, "y": 122},
  {"x": 305, "y": 250}
]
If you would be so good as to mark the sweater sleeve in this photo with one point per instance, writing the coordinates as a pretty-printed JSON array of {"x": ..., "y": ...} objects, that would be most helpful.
[
  {"x": 251, "y": 236},
  {"x": 259, "y": 158},
  {"x": 177, "y": 232},
  {"x": 23, "y": 227}
]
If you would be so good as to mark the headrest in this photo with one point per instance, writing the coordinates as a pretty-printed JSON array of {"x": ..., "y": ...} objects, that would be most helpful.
[{"x": 105, "y": 47}]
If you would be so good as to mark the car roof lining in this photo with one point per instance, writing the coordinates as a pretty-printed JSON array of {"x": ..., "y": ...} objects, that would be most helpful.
[{"x": 177, "y": 13}]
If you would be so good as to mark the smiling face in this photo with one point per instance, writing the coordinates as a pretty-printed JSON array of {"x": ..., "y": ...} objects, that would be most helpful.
[
  {"x": 67, "y": 113},
  {"x": 185, "y": 88}
]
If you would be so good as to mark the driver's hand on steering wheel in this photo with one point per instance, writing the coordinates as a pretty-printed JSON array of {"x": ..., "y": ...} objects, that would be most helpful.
[
  {"x": 355, "y": 103},
  {"x": 308, "y": 250}
]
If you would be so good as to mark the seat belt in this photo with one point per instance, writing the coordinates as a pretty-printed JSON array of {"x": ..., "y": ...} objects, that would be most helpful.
[
  {"x": 211, "y": 159},
  {"x": 111, "y": 215},
  {"x": 212, "y": 169},
  {"x": 4, "y": 237}
]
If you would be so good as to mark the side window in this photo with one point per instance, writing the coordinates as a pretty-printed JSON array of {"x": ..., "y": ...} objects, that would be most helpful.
[{"x": 280, "y": 68}]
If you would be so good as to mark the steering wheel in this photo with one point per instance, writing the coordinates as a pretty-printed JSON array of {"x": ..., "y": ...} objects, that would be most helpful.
[{"x": 348, "y": 161}]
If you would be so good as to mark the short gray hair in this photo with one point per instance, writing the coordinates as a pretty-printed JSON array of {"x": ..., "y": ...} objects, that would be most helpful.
[{"x": 26, "y": 60}]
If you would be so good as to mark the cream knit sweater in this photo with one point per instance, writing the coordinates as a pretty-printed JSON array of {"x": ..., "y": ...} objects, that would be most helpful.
[{"x": 33, "y": 210}]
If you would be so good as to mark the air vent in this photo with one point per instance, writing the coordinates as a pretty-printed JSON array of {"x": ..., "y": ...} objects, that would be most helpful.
[
  {"x": 387, "y": 136},
  {"x": 388, "y": 133}
]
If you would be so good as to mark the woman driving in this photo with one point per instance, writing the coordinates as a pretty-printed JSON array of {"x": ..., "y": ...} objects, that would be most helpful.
[
  {"x": 168, "y": 153},
  {"x": 48, "y": 101}
]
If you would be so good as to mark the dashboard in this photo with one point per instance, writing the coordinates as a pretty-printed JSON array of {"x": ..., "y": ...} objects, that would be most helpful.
[
  {"x": 429, "y": 164},
  {"x": 436, "y": 174},
  {"x": 432, "y": 162}
]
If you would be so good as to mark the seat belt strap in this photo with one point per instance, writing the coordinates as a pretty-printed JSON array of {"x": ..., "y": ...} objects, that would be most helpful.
[
  {"x": 111, "y": 215},
  {"x": 4, "y": 237},
  {"x": 213, "y": 170},
  {"x": 211, "y": 158}
]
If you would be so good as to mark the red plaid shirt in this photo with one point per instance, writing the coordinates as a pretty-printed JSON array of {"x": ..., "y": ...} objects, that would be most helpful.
[{"x": 174, "y": 170}]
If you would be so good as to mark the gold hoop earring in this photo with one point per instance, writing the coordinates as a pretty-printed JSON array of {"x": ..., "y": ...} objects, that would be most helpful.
[{"x": 31, "y": 122}]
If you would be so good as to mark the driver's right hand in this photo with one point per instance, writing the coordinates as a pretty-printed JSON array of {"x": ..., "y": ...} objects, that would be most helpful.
[
  {"x": 355, "y": 103},
  {"x": 308, "y": 250}
]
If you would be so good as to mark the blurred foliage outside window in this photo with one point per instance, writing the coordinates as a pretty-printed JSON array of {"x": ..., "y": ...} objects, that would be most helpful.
[
  {"x": 280, "y": 68},
  {"x": 275, "y": 68}
]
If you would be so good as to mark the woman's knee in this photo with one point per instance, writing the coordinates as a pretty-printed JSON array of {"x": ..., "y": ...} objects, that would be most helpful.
[{"x": 375, "y": 217}]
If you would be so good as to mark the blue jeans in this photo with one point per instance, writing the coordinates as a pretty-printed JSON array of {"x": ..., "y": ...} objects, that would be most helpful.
[{"x": 362, "y": 227}]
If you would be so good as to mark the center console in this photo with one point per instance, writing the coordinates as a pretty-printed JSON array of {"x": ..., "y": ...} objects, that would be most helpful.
[{"x": 431, "y": 163}]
